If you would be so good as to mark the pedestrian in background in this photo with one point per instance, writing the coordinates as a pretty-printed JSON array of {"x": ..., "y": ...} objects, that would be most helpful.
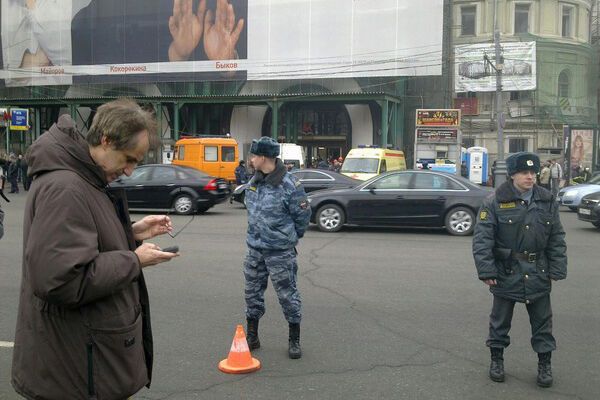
[
  {"x": 278, "y": 215},
  {"x": 83, "y": 326},
  {"x": 545, "y": 176},
  {"x": 241, "y": 174},
  {"x": 556, "y": 174},
  {"x": 23, "y": 167},
  {"x": 519, "y": 248},
  {"x": 13, "y": 174}
]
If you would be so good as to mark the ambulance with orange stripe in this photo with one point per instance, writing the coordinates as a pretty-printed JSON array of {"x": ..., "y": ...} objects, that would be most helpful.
[{"x": 365, "y": 162}]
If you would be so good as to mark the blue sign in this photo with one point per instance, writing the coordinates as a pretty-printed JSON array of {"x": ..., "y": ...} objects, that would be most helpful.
[{"x": 19, "y": 119}]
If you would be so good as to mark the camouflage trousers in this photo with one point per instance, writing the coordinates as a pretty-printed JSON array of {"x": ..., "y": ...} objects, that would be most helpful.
[{"x": 282, "y": 267}]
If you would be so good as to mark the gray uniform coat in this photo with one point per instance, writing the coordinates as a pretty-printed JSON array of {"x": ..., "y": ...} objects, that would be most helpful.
[{"x": 520, "y": 245}]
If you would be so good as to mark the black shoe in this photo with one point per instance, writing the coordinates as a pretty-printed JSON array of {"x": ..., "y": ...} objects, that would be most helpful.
[
  {"x": 497, "y": 364},
  {"x": 544, "y": 377},
  {"x": 294, "y": 350},
  {"x": 252, "y": 335}
]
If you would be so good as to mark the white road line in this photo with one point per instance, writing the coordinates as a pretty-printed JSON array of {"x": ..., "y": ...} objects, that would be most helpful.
[{"x": 7, "y": 344}]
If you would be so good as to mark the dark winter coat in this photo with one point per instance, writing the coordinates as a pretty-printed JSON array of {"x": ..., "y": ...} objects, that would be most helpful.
[
  {"x": 508, "y": 231},
  {"x": 278, "y": 210},
  {"x": 12, "y": 170},
  {"x": 83, "y": 328}
]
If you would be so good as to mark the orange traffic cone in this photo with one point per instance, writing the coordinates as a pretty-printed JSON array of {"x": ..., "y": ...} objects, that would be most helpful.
[{"x": 240, "y": 360}]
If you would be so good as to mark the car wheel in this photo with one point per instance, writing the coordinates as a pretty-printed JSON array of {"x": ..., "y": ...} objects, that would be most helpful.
[
  {"x": 330, "y": 218},
  {"x": 596, "y": 224},
  {"x": 460, "y": 221},
  {"x": 183, "y": 205}
]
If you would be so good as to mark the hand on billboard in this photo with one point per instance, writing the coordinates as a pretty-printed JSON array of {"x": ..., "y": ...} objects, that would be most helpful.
[
  {"x": 221, "y": 33},
  {"x": 186, "y": 29},
  {"x": 38, "y": 59}
]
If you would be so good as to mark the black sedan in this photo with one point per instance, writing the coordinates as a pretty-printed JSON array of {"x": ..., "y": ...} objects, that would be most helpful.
[
  {"x": 175, "y": 188},
  {"x": 402, "y": 198},
  {"x": 311, "y": 179},
  {"x": 589, "y": 209}
]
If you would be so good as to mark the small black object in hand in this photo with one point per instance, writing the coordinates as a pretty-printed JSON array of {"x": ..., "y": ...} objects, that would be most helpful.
[{"x": 171, "y": 249}]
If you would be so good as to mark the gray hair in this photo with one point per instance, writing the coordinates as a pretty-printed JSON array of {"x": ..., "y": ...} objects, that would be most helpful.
[{"x": 120, "y": 121}]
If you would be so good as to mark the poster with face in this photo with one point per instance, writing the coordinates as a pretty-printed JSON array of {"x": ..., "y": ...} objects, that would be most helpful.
[{"x": 580, "y": 150}]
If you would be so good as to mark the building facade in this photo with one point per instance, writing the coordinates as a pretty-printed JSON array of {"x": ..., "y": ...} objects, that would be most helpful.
[{"x": 565, "y": 92}]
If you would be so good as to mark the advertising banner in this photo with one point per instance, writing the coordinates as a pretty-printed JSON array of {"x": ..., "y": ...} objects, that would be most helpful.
[
  {"x": 425, "y": 135},
  {"x": 19, "y": 120},
  {"x": 445, "y": 118},
  {"x": 59, "y": 42},
  {"x": 473, "y": 74},
  {"x": 581, "y": 150}
]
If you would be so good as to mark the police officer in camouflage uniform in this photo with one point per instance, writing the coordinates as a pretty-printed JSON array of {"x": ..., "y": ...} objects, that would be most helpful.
[
  {"x": 519, "y": 248},
  {"x": 278, "y": 215}
]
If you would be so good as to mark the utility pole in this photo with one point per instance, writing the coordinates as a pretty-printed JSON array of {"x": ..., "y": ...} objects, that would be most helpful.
[{"x": 500, "y": 170}]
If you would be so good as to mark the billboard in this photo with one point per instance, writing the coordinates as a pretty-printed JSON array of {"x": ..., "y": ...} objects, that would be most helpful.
[
  {"x": 57, "y": 42},
  {"x": 473, "y": 74},
  {"x": 19, "y": 119},
  {"x": 443, "y": 117},
  {"x": 580, "y": 151}
]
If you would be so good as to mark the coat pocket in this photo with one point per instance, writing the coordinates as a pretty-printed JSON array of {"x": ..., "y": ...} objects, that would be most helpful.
[{"x": 117, "y": 361}]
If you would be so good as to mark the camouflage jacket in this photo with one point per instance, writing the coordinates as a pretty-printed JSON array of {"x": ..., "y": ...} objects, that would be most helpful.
[
  {"x": 278, "y": 212},
  {"x": 520, "y": 245}
]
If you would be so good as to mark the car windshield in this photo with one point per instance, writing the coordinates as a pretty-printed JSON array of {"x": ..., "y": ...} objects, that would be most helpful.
[
  {"x": 361, "y": 165},
  {"x": 595, "y": 180}
]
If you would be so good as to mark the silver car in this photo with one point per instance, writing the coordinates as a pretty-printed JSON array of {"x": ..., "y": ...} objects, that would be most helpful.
[{"x": 571, "y": 196}]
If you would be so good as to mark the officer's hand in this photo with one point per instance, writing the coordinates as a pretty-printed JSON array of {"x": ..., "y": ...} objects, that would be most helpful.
[
  {"x": 150, "y": 254},
  {"x": 490, "y": 282}
]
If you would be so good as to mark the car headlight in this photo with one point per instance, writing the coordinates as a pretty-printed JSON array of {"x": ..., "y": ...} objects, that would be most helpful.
[{"x": 570, "y": 194}]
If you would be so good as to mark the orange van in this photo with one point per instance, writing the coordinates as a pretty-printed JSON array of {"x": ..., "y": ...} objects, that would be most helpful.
[{"x": 215, "y": 156}]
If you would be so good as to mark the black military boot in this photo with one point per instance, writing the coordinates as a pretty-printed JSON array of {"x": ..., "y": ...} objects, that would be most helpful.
[
  {"x": 294, "y": 350},
  {"x": 497, "y": 364},
  {"x": 544, "y": 378},
  {"x": 252, "y": 336}
]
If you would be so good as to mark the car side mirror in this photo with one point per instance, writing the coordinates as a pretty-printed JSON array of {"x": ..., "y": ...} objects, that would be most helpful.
[{"x": 372, "y": 190}]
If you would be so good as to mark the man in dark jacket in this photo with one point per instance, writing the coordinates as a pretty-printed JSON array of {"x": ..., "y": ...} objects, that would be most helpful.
[
  {"x": 241, "y": 175},
  {"x": 13, "y": 174},
  {"x": 83, "y": 326},
  {"x": 278, "y": 214},
  {"x": 519, "y": 248}
]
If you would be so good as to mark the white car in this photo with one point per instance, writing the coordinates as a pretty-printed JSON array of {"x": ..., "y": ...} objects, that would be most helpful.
[{"x": 571, "y": 196}]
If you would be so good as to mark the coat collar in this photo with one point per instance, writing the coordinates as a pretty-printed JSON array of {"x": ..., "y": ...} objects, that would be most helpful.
[
  {"x": 274, "y": 178},
  {"x": 507, "y": 193}
]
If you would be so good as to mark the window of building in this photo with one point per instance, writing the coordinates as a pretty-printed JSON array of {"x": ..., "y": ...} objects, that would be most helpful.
[
  {"x": 567, "y": 21},
  {"x": 468, "y": 142},
  {"x": 563, "y": 85},
  {"x": 467, "y": 20},
  {"x": 520, "y": 95},
  {"x": 516, "y": 145},
  {"x": 467, "y": 95},
  {"x": 210, "y": 153},
  {"x": 521, "y": 18}
]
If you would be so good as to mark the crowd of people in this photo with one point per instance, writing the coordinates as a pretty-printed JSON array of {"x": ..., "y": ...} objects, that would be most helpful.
[{"x": 14, "y": 170}]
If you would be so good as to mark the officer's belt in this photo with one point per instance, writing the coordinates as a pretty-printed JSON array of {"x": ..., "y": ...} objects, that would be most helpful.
[{"x": 506, "y": 254}]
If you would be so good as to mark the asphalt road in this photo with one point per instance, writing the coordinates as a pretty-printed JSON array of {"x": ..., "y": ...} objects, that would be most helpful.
[{"x": 388, "y": 314}]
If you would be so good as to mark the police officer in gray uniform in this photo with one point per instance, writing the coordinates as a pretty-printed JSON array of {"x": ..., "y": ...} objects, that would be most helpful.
[
  {"x": 519, "y": 248},
  {"x": 278, "y": 215}
]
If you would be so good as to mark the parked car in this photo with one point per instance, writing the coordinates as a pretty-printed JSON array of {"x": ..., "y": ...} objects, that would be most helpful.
[
  {"x": 402, "y": 198},
  {"x": 311, "y": 179},
  {"x": 183, "y": 190},
  {"x": 589, "y": 209},
  {"x": 571, "y": 196}
]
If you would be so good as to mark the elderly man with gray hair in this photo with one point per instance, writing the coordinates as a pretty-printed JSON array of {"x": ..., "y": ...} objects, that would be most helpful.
[{"x": 83, "y": 327}]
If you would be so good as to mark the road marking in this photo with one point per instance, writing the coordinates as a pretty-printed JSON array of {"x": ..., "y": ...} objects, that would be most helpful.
[{"x": 7, "y": 344}]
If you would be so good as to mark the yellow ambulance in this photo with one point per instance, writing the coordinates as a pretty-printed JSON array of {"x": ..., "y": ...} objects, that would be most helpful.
[{"x": 365, "y": 162}]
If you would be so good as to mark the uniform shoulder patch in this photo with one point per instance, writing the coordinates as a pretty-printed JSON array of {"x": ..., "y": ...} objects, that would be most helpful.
[
  {"x": 483, "y": 215},
  {"x": 253, "y": 188},
  {"x": 511, "y": 204}
]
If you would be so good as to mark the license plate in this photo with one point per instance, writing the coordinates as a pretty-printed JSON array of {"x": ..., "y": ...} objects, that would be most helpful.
[
  {"x": 585, "y": 211},
  {"x": 222, "y": 186}
]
